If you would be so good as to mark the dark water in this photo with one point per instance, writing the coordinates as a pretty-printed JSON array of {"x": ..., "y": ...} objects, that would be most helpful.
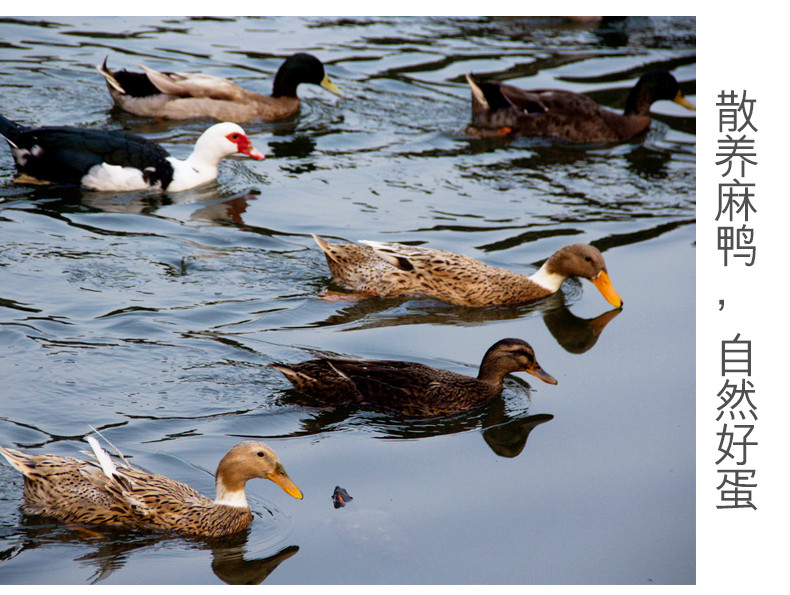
[{"x": 153, "y": 317}]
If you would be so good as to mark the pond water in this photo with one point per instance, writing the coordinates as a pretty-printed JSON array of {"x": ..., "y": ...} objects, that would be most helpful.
[{"x": 152, "y": 318}]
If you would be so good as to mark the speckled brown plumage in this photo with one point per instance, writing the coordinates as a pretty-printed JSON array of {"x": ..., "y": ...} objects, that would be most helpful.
[
  {"x": 411, "y": 388},
  {"x": 566, "y": 115},
  {"x": 390, "y": 269},
  {"x": 79, "y": 491},
  {"x": 182, "y": 95}
]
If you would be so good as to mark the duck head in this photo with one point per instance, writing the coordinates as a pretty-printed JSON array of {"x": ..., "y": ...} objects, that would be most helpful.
[
  {"x": 221, "y": 140},
  {"x": 583, "y": 260},
  {"x": 249, "y": 460},
  {"x": 654, "y": 86},
  {"x": 301, "y": 68},
  {"x": 511, "y": 355}
]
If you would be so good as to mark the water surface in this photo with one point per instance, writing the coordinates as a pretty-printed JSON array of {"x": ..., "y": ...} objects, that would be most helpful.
[{"x": 153, "y": 317}]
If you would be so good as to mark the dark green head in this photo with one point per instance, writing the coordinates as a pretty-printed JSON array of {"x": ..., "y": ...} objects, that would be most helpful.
[
  {"x": 301, "y": 68},
  {"x": 654, "y": 86}
]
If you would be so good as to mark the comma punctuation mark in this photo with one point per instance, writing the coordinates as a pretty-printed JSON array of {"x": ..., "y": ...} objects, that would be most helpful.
[{"x": 721, "y": 305}]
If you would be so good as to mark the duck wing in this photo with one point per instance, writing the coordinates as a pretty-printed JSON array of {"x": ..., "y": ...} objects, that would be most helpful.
[
  {"x": 529, "y": 102},
  {"x": 65, "y": 154},
  {"x": 182, "y": 84},
  {"x": 393, "y": 384},
  {"x": 568, "y": 103},
  {"x": 492, "y": 96},
  {"x": 148, "y": 499},
  {"x": 437, "y": 263}
]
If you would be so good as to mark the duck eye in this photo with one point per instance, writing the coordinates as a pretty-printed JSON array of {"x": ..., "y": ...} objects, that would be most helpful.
[
  {"x": 260, "y": 454},
  {"x": 588, "y": 259}
]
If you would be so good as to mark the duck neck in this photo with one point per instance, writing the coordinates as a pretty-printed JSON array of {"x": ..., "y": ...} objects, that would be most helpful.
[
  {"x": 284, "y": 85},
  {"x": 638, "y": 102},
  {"x": 230, "y": 492},
  {"x": 207, "y": 154},
  {"x": 492, "y": 374},
  {"x": 547, "y": 279}
]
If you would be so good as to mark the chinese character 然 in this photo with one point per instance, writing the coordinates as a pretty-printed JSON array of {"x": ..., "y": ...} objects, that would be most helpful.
[
  {"x": 738, "y": 496},
  {"x": 736, "y": 356},
  {"x": 736, "y": 398},
  {"x": 731, "y": 109},
  {"x": 742, "y": 147}
]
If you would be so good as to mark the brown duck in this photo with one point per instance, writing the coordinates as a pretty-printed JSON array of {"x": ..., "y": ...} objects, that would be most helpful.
[
  {"x": 565, "y": 115},
  {"x": 411, "y": 388},
  {"x": 99, "y": 493},
  {"x": 389, "y": 269},
  {"x": 182, "y": 95}
]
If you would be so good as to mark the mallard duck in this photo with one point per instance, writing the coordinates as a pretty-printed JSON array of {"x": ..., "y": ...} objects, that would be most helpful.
[
  {"x": 107, "y": 160},
  {"x": 408, "y": 387},
  {"x": 99, "y": 493},
  {"x": 565, "y": 115},
  {"x": 181, "y": 95},
  {"x": 389, "y": 269}
]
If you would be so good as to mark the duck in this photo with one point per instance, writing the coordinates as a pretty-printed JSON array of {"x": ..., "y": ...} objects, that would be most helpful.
[
  {"x": 100, "y": 493},
  {"x": 388, "y": 269},
  {"x": 179, "y": 95},
  {"x": 411, "y": 388},
  {"x": 572, "y": 117},
  {"x": 119, "y": 161}
]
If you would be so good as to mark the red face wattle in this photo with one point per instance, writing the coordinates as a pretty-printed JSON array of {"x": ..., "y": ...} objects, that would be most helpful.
[{"x": 244, "y": 145}]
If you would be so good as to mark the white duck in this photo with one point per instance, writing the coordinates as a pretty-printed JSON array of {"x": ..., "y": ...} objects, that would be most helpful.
[{"x": 107, "y": 160}]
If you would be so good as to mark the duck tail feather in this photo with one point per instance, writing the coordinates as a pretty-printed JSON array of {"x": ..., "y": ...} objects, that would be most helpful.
[
  {"x": 110, "y": 77},
  {"x": 101, "y": 455},
  {"x": 115, "y": 448}
]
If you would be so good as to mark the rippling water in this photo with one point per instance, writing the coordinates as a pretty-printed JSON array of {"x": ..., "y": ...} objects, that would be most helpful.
[{"x": 153, "y": 317}]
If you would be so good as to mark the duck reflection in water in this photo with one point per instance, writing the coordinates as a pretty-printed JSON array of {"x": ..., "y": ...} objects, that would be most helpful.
[
  {"x": 574, "y": 334},
  {"x": 504, "y": 429},
  {"x": 230, "y": 559}
]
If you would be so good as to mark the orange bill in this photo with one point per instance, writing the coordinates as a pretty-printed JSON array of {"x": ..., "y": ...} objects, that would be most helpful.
[
  {"x": 280, "y": 477},
  {"x": 604, "y": 285},
  {"x": 680, "y": 100}
]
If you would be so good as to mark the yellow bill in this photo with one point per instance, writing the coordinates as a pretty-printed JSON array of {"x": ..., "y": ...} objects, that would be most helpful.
[
  {"x": 330, "y": 86},
  {"x": 280, "y": 477},
  {"x": 681, "y": 100},
  {"x": 604, "y": 285}
]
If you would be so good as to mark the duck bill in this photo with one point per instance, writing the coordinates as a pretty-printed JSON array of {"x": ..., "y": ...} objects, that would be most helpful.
[
  {"x": 251, "y": 151},
  {"x": 330, "y": 86},
  {"x": 604, "y": 285},
  {"x": 680, "y": 100},
  {"x": 244, "y": 146},
  {"x": 280, "y": 477},
  {"x": 539, "y": 372},
  {"x": 254, "y": 153}
]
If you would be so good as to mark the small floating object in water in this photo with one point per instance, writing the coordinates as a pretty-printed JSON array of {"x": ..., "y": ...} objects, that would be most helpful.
[{"x": 340, "y": 497}]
